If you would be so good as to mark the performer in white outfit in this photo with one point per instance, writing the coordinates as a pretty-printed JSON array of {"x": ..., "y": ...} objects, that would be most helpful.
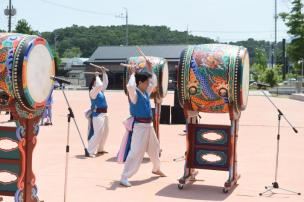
[
  {"x": 144, "y": 139},
  {"x": 99, "y": 119}
]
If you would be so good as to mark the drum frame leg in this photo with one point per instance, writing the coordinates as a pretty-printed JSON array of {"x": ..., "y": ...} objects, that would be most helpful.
[
  {"x": 29, "y": 190},
  {"x": 233, "y": 174},
  {"x": 156, "y": 121},
  {"x": 189, "y": 173}
]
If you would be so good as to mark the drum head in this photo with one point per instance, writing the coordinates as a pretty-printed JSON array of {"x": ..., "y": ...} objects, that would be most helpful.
[
  {"x": 38, "y": 72},
  {"x": 32, "y": 83},
  {"x": 164, "y": 80},
  {"x": 245, "y": 81}
]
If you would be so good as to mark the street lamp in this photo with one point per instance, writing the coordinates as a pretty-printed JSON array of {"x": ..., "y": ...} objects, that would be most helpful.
[{"x": 125, "y": 16}]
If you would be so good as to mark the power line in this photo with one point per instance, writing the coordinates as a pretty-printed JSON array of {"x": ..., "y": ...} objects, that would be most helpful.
[
  {"x": 77, "y": 9},
  {"x": 236, "y": 31}
]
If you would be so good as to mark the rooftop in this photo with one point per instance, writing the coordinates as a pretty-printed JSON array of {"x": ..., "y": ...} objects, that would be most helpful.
[{"x": 122, "y": 53}]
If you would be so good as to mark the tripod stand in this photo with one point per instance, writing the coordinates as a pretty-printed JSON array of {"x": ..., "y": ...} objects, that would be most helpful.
[
  {"x": 275, "y": 184},
  {"x": 70, "y": 115}
]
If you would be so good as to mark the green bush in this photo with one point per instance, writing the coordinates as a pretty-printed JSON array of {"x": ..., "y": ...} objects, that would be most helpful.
[{"x": 270, "y": 77}]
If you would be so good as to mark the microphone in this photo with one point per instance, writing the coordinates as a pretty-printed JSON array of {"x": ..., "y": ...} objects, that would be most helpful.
[
  {"x": 59, "y": 80},
  {"x": 171, "y": 81}
]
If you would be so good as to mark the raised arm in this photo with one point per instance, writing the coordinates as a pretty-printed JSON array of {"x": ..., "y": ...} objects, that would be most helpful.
[
  {"x": 99, "y": 86},
  {"x": 105, "y": 81},
  {"x": 152, "y": 84},
  {"x": 153, "y": 80},
  {"x": 131, "y": 87}
]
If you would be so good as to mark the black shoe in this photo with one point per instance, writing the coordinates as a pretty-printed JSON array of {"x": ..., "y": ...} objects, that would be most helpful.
[{"x": 102, "y": 152}]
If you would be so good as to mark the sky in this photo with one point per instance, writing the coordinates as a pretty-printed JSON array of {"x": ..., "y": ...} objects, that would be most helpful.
[{"x": 222, "y": 20}]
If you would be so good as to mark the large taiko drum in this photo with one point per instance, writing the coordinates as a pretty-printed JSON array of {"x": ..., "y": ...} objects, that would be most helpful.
[
  {"x": 214, "y": 77},
  {"x": 160, "y": 68},
  {"x": 26, "y": 65}
]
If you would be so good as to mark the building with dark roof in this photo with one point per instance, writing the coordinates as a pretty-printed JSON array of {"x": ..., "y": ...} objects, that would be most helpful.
[{"x": 112, "y": 56}]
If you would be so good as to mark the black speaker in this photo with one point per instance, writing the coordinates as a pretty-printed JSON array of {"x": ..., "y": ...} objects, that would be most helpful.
[
  {"x": 165, "y": 114},
  {"x": 176, "y": 101},
  {"x": 177, "y": 115}
]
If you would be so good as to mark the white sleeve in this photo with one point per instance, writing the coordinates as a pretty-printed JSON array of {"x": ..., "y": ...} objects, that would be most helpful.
[
  {"x": 97, "y": 88},
  {"x": 131, "y": 87},
  {"x": 152, "y": 84},
  {"x": 105, "y": 81}
]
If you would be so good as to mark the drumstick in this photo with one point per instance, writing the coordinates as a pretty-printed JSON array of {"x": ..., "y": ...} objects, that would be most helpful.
[
  {"x": 92, "y": 73},
  {"x": 125, "y": 65},
  {"x": 128, "y": 66},
  {"x": 141, "y": 53},
  {"x": 100, "y": 67}
]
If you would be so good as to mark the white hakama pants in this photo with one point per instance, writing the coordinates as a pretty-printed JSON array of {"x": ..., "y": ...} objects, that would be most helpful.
[
  {"x": 143, "y": 140},
  {"x": 101, "y": 131}
]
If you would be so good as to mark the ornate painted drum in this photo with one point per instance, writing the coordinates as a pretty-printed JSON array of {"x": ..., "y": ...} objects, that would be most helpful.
[
  {"x": 160, "y": 68},
  {"x": 214, "y": 77},
  {"x": 26, "y": 65}
]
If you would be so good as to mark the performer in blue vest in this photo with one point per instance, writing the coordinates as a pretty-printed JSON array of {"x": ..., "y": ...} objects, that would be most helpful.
[
  {"x": 98, "y": 132},
  {"x": 144, "y": 139}
]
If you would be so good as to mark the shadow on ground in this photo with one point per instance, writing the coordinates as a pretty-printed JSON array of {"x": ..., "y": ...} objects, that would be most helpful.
[{"x": 194, "y": 192}]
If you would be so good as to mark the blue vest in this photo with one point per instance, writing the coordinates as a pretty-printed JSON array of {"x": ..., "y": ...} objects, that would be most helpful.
[
  {"x": 142, "y": 108},
  {"x": 98, "y": 102}
]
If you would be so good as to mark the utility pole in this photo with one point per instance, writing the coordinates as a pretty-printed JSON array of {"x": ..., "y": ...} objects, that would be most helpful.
[
  {"x": 125, "y": 16},
  {"x": 127, "y": 27},
  {"x": 275, "y": 32},
  {"x": 10, "y": 11},
  {"x": 302, "y": 72},
  {"x": 187, "y": 39},
  {"x": 10, "y": 16},
  {"x": 284, "y": 68}
]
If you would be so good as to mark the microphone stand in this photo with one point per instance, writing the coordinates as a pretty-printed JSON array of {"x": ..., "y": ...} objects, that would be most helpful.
[
  {"x": 70, "y": 115},
  {"x": 275, "y": 184}
]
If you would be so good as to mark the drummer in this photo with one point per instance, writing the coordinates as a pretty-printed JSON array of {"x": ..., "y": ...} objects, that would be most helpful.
[
  {"x": 99, "y": 122},
  {"x": 144, "y": 139}
]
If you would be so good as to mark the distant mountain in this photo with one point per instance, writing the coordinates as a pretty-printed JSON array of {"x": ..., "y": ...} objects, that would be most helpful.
[
  {"x": 87, "y": 39},
  {"x": 82, "y": 41}
]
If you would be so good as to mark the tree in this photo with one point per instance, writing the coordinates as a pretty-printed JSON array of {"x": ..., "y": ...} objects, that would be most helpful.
[
  {"x": 294, "y": 20},
  {"x": 23, "y": 27},
  {"x": 72, "y": 52},
  {"x": 89, "y": 38},
  {"x": 270, "y": 76}
]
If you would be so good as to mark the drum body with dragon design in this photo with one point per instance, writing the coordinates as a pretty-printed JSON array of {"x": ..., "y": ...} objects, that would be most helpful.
[{"x": 212, "y": 77}]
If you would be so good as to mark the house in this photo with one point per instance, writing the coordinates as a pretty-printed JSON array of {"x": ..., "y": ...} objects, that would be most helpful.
[
  {"x": 112, "y": 56},
  {"x": 75, "y": 68}
]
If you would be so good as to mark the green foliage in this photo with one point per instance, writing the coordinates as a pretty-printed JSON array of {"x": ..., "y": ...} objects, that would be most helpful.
[
  {"x": 23, "y": 27},
  {"x": 291, "y": 75},
  {"x": 89, "y": 38},
  {"x": 256, "y": 49},
  {"x": 269, "y": 76},
  {"x": 294, "y": 20},
  {"x": 72, "y": 52}
]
